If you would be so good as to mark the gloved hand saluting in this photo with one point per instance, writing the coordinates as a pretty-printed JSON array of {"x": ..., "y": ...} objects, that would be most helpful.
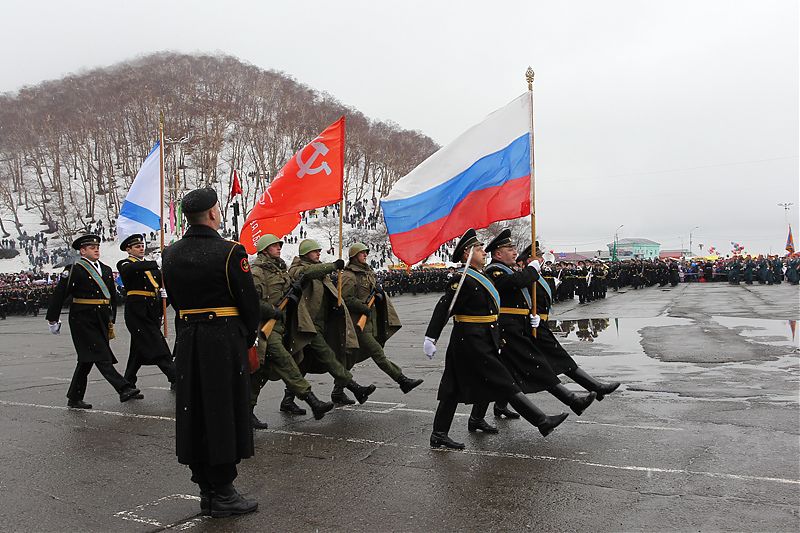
[
  {"x": 535, "y": 321},
  {"x": 55, "y": 327},
  {"x": 429, "y": 347}
]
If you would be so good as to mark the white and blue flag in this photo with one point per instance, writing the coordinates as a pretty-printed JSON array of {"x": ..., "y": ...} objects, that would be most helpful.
[{"x": 141, "y": 210}]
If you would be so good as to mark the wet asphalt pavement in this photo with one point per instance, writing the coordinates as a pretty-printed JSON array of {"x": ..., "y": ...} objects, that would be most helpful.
[{"x": 703, "y": 434}]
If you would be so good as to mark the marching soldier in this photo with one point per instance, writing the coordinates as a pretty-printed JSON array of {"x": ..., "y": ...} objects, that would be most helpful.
[
  {"x": 211, "y": 289},
  {"x": 323, "y": 324},
  {"x": 364, "y": 298},
  {"x": 558, "y": 358},
  {"x": 273, "y": 284},
  {"x": 473, "y": 371},
  {"x": 143, "y": 311},
  {"x": 529, "y": 367},
  {"x": 91, "y": 320}
]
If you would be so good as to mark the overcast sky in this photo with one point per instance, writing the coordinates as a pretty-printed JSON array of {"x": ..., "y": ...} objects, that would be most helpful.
[{"x": 661, "y": 116}]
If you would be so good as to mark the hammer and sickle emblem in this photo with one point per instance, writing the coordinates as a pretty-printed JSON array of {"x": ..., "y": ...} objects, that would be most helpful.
[{"x": 306, "y": 166}]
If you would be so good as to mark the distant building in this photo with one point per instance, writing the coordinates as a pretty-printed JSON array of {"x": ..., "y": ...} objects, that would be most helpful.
[
  {"x": 635, "y": 249},
  {"x": 674, "y": 254}
]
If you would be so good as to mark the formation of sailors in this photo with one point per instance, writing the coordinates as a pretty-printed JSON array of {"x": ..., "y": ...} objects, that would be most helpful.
[{"x": 765, "y": 270}]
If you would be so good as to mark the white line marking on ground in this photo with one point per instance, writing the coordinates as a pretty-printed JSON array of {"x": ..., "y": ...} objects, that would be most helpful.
[
  {"x": 96, "y": 411},
  {"x": 134, "y": 516},
  {"x": 482, "y": 453}
]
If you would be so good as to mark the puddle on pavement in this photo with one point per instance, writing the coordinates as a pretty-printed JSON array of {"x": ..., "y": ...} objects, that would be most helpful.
[
  {"x": 763, "y": 331},
  {"x": 617, "y": 350}
]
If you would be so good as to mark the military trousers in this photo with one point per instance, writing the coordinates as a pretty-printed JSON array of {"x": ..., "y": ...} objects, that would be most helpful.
[
  {"x": 281, "y": 362},
  {"x": 370, "y": 347},
  {"x": 77, "y": 387},
  {"x": 165, "y": 364},
  {"x": 320, "y": 351}
]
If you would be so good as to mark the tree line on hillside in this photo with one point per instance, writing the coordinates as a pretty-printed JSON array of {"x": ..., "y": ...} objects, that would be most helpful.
[{"x": 70, "y": 148}]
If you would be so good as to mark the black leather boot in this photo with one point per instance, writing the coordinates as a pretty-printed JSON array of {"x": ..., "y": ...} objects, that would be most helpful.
[
  {"x": 127, "y": 394},
  {"x": 288, "y": 405},
  {"x": 534, "y": 415},
  {"x": 78, "y": 404},
  {"x": 501, "y": 410},
  {"x": 255, "y": 422},
  {"x": 318, "y": 407},
  {"x": 225, "y": 501},
  {"x": 205, "y": 499},
  {"x": 577, "y": 402},
  {"x": 407, "y": 384},
  {"x": 338, "y": 396},
  {"x": 475, "y": 424},
  {"x": 586, "y": 381},
  {"x": 359, "y": 391},
  {"x": 440, "y": 438}
]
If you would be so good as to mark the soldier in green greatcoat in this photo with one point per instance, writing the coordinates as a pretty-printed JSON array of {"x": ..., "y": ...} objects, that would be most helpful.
[
  {"x": 273, "y": 283},
  {"x": 324, "y": 330},
  {"x": 359, "y": 286}
]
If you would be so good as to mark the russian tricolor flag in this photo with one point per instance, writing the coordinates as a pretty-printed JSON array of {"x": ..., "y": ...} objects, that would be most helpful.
[{"x": 481, "y": 177}]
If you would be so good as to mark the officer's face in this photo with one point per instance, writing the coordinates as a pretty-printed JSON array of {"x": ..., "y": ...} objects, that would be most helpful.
[
  {"x": 313, "y": 256},
  {"x": 274, "y": 250},
  {"x": 90, "y": 252},
  {"x": 137, "y": 250},
  {"x": 478, "y": 256},
  {"x": 506, "y": 255}
]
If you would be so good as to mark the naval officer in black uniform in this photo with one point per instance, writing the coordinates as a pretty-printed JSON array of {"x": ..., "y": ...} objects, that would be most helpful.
[
  {"x": 555, "y": 354},
  {"x": 91, "y": 318},
  {"x": 519, "y": 354},
  {"x": 209, "y": 285},
  {"x": 473, "y": 371},
  {"x": 143, "y": 310}
]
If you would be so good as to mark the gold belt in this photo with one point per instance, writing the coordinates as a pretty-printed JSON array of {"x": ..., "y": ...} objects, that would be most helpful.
[
  {"x": 514, "y": 311},
  {"x": 141, "y": 293},
  {"x": 544, "y": 316},
  {"x": 90, "y": 301},
  {"x": 476, "y": 319},
  {"x": 211, "y": 311}
]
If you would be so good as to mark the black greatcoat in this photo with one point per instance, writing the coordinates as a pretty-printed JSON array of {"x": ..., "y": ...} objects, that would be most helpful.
[
  {"x": 88, "y": 323},
  {"x": 201, "y": 271},
  {"x": 558, "y": 358},
  {"x": 143, "y": 313},
  {"x": 527, "y": 364},
  {"x": 473, "y": 371}
]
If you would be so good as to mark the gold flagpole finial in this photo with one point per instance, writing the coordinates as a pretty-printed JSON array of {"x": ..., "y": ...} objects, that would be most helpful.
[{"x": 529, "y": 77}]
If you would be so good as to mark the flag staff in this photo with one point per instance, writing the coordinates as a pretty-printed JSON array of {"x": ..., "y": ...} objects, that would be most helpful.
[
  {"x": 529, "y": 77},
  {"x": 341, "y": 214},
  {"x": 161, "y": 219}
]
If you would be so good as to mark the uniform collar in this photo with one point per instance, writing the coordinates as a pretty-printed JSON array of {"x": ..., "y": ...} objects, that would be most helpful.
[
  {"x": 358, "y": 267},
  {"x": 201, "y": 230}
]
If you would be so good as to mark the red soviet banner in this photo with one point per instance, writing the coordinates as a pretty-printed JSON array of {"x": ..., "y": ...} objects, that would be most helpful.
[{"x": 312, "y": 178}]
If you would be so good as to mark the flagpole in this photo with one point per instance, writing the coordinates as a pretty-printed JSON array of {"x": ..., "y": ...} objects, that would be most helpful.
[
  {"x": 161, "y": 219},
  {"x": 341, "y": 215},
  {"x": 529, "y": 77}
]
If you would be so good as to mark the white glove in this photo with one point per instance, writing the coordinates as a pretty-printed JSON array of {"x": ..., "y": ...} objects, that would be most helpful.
[
  {"x": 429, "y": 347},
  {"x": 55, "y": 328},
  {"x": 558, "y": 282},
  {"x": 162, "y": 292},
  {"x": 158, "y": 260},
  {"x": 536, "y": 265},
  {"x": 535, "y": 320}
]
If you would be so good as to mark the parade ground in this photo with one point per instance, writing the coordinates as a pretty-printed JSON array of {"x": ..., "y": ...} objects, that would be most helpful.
[{"x": 703, "y": 435}]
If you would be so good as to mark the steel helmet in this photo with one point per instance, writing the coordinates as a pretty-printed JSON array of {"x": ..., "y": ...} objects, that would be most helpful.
[{"x": 309, "y": 245}]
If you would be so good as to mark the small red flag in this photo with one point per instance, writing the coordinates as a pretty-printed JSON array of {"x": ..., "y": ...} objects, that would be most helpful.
[
  {"x": 312, "y": 178},
  {"x": 236, "y": 187}
]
